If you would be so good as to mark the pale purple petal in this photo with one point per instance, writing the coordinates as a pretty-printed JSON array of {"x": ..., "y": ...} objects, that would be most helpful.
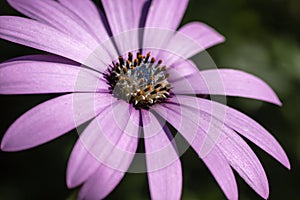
[
  {"x": 100, "y": 184},
  {"x": 241, "y": 123},
  {"x": 200, "y": 33},
  {"x": 214, "y": 160},
  {"x": 155, "y": 40},
  {"x": 162, "y": 21},
  {"x": 222, "y": 172},
  {"x": 236, "y": 151},
  {"x": 45, "y": 58},
  {"x": 90, "y": 14},
  {"x": 52, "y": 119},
  {"x": 245, "y": 162},
  {"x": 119, "y": 155},
  {"x": 98, "y": 140},
  {"x": 166, "y": 14},
  {"x": 226, "y": 82},
  {"x": 124, "y": 18},
  {"x": 82, "y": 164},
  {"x": 189, "y": 40},
  {"x": 94, "y": 21},
  {"x": 163, "y": 164},
  {"x": 181, "y": 69},
  {"x": 54, "y": 14},
  {"x": 43, "y": 37},
  {"x": 35, "y": 77}
]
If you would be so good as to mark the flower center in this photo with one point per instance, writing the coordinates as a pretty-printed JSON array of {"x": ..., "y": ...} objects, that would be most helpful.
[{"x": 141, "y": 81}]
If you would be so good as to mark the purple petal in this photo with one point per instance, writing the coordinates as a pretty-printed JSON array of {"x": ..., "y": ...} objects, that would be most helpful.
[
  {"x": 100, "y": 184},
  {"x": 90, "y": 14},
  {"x": 45, "y": 58},
  {"x": 162, "y": 21},
  {"x": 124, "y": 21},
  {"x": 181, "y": 69},
  {"x": 30, "y": 77},
  {"x": 226, "y": 82},
  {"x": 241, "y": 123},
  {"x": 163, "y": 164},
  {"x": 214, "y": 160},
  {"x": 202, "y": 34},
  {"x": 105, "y": 142},
  {"x": 246, "y": 163},
  {"x": 222, "y": 172},
  {"x": 236, "y": 151},
  {"x": 93, "y": 20},
  {"x": 55, "y": 15},
  {"x": 123, "y": 16},
  {"x": 162, "y": 14},
  {"x": 82, "y": 164},
  {"x": 53, "y": 118},
  {"x": 155, "y": 40},
  {"x": 119, "y": 146},
  {"x": 191, "y": 39},
  {"x": 43, "y": 37}
]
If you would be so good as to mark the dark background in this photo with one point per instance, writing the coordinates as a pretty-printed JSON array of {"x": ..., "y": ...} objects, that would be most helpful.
[{"x": 263, "y": 38}]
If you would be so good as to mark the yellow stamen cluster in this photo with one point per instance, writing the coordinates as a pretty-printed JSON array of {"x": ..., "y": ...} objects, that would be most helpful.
[{"x": 141, "y": 81}]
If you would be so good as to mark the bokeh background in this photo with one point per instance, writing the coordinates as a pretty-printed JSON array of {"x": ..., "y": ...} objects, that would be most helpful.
[{"x": 263, "y": 38}]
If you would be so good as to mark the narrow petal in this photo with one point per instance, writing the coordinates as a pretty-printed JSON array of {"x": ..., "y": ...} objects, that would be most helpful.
[
  {"x": 226, "y": 82},
  {"x": 214, "y": 160},
  {"x": 105, "y": 142},
  {"x": 163, "y": 164},
  {"x": 162, "y": 21},
  {"x": 82, "y": 164},
  {"x": 45, "y": 58},
  {"x": 55, "y": 15},
  {"x": 93, "y": 18},
  {"x": 202, "y": 34},
  {"x": 181, "y": 69},
  {"x": 191, "y": 39},
  {"x": 119, "y": 154},
  {"x": 43, "y": 37},
  {"x": 53, "y": 118},
  {"x": 245, "y": 162},
  {"x": 161, "y": 14},
  {"x": 241, "y": 123},
  {"x": 100, "y": 184},
  {"x": 94, "y": 21},
  {"x": 124, "y": 18},
  {"x": 35, "y": 77},
  {"x": 222, "y": 172},
  {"x": 237, "y": 152}
]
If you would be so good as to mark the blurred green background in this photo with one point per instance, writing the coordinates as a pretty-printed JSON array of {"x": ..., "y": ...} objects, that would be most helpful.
[{"x": 262, "y": 37}]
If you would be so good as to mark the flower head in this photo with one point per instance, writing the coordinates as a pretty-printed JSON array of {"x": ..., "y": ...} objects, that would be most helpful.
[
  {"x": 127, "y": 69},
  {"x": 141, "y": 81}
]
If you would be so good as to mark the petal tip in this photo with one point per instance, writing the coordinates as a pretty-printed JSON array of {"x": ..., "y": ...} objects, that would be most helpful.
[
  {"x": 284, "y": 160},
  {"x": 2, "y": 146},
  {"x": 5, "y": 145},
  {"x": 10, "y": 143},
  {"x": 69, "y": 182},
  {"x": 277, "y": 101},
  {"x": 266, "y": 195},
  {"x": 222, "y": 38},
  {"x": 69, "y": 179},
  {"x": 287, "y": 164}
]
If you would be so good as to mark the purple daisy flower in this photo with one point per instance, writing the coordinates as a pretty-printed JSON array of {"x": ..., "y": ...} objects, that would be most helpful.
[{"x": 127, "y": 70}]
